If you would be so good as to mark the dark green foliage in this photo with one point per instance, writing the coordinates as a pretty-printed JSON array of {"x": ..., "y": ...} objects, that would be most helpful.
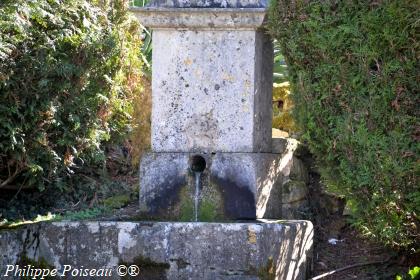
[
  {"x": 354, "y": 72},
  {"x": 280, "y": 67},
  {"x": 65, "y": 73},
  {"x": 413, "y": 274},
  {"x": 146, "y": 49}
]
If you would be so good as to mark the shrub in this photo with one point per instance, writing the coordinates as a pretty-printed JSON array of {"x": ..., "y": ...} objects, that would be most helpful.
[
  {"x": 140, "y": 136},
  {"x": 354, "y": 80},
  {"x": 69, "y": 71},
  {"x": 413, "y": 274}
]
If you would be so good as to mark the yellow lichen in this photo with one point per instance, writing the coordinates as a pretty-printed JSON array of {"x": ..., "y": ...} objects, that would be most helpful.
[
  {"x": 282, "y": 106},
  {"x": 140, "y": 135},
  {"x": 252, "y": 236}
]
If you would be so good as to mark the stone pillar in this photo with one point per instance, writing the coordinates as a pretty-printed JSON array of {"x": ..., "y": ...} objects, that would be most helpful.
[{"x": 211, "y": 112}]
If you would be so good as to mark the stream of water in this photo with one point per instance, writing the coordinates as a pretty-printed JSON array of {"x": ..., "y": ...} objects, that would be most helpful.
[{"x": 197, "y": 176}]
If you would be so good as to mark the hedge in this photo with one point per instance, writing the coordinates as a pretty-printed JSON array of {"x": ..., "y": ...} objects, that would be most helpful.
[
  {"x": 353, "y": 67},
  {"x": 69, "y": 70}
]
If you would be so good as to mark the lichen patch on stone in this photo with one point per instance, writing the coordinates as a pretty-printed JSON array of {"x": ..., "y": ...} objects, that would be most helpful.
[{"x": 126, "y": 240}]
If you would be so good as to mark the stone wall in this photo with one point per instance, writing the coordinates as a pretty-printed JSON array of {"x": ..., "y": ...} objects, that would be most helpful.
[{"x": 294, "y": 202}]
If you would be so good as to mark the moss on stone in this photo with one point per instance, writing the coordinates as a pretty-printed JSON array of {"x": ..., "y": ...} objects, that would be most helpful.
[
  {"x": 117, "y": 201},
  {"x": 207, "y": 211},
  {"x": 266, "y": 272},
  {"x": 186, "y": 206},
  {"x": 210, "y": 208},
  {"x": 144, "y": 262},
  {"x": 41, "y": 263},
  {"x": 149, "y": 269},
  {"x": 211, "y": 205}
]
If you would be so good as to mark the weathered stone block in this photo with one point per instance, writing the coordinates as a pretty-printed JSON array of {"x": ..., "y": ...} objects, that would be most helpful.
[
  {"x": 231, "y": 186},
  {"x": 296, "y": 210},
  {"x": 259, "y": 250},
  {"x": 295, "y": 199},
  {"x": 294, "y": 191},
  {"x": 11, "y": 244},
  {"x": 212, "y": 78},
  {"x": 299, "y": 171},
  {"x": 208, "y": 93}
]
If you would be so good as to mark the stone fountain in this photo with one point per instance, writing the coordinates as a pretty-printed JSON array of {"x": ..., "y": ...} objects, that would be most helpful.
[
  {"x": 211, "y": 114},
  {"x": 212, "y": 159},
  {"x": 211, "y": 188}
]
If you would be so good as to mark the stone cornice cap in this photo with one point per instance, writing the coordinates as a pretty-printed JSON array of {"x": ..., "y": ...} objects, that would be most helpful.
[
  {"x": 202, "y": 14},
  {"x": 198, "y": 18}
]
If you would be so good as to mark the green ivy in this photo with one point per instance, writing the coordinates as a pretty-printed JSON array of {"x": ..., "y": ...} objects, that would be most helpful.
[{"x": 353, "y": 67}]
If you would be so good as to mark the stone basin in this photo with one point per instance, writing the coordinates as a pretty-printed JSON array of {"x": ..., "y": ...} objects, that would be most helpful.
[{"x": 261, "y": 249}]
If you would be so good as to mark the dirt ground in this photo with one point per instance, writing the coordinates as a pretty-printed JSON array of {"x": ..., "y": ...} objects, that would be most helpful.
[
  {"x": 353, "y": 249},
  {"x": 358, "y": 256}
]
